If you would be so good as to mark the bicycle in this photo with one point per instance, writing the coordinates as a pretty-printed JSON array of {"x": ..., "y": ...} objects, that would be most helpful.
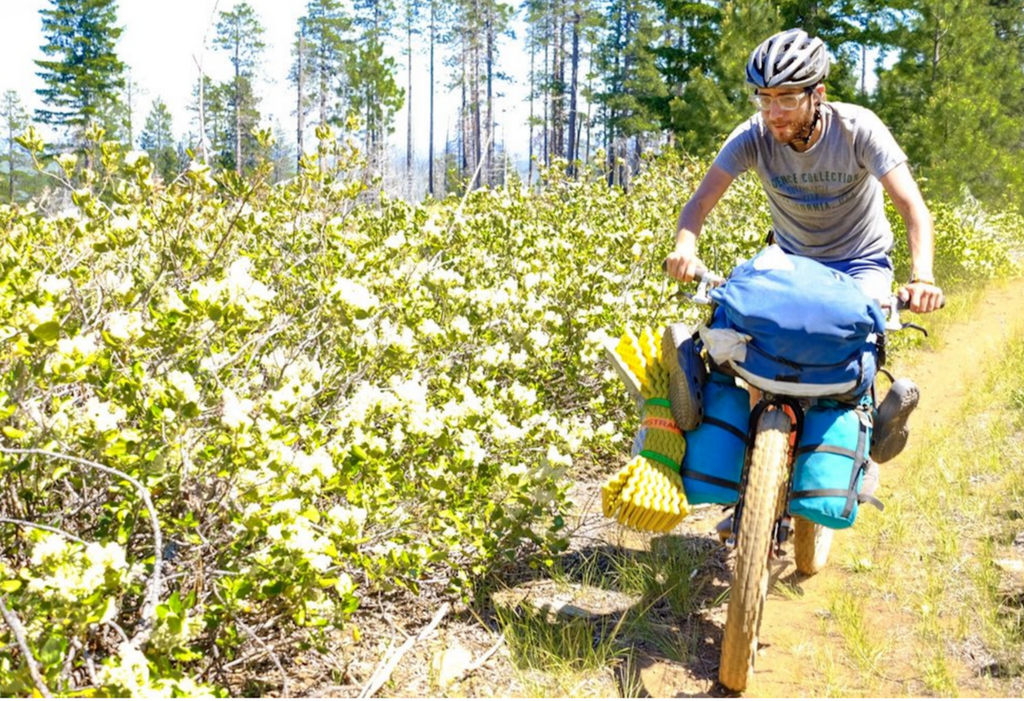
[{"x": 762, "y": 523}]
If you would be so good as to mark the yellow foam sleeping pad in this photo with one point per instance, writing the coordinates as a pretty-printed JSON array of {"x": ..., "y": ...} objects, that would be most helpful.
[{"x": 647, "y": 494}]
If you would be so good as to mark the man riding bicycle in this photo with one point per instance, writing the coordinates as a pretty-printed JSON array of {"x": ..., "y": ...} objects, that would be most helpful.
[{"x": 823, "y": 166}]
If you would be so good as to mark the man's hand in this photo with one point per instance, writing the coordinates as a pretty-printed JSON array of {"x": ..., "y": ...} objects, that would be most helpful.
[
  {"x": 922, "y": 297},
  {"x": 682, "y": 263}
]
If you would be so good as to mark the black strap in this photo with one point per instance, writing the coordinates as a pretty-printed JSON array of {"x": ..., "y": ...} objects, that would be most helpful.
[
  {"x": 808, "y": 493},
  {"x": 865, "y": 499},
  {"x": 824, "y": 448},
  {"x": 717, "y": 423},
  {"x": 860, "y": 461},
  {"x": 717, "y": 481}
]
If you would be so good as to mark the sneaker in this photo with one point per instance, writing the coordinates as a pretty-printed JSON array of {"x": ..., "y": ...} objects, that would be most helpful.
[
  {"x": 868, "y": 485},
  {"x": 891, "y": 430},
  {"x": 686, "y": 376}
]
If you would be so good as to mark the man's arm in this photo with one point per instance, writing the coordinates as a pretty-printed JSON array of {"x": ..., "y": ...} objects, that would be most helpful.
[
  {"x": 923, "y": 295},
  {"x": 683, "y": 262}
]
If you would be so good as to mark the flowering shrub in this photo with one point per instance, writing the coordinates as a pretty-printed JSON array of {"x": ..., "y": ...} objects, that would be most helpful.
[{"x": 229, "y": 406}]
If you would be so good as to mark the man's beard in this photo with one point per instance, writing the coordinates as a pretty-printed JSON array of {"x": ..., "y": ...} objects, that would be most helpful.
[{"x": 795, "y": 131}]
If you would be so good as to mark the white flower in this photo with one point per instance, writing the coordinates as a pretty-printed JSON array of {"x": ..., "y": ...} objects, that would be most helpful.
[
  {"x": 556, "y": 459},
  {"x": 354, "y": 294},
  {"x": 104, "y": 416},
  {"x": 82, "y": 346},
  {"x": 429, "y": 327},
  {"x": 39, "y": 315},
  {"x": 49, "y": 546},
  {"x": 471, "y": 448},
  {"x": 172, "y": 301},
  {"x": 236, "y": 413},
  {"x": 124, "y": 326},
  {"x": 286, "y": 506},
  {"x": 53, "y": 285},
  {"x": 185, "y": 384},
  {"x": 109, "y": 556},
  {"x": 132, "y": 158},
  {"x": 461, "y": 325},
  {"x": 538, "y": 338},
  {"x": 121, "y": 224},
  {"x": 67, "y": 161}
]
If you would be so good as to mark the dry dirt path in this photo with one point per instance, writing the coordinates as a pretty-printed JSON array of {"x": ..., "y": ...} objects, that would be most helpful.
[
  {"x": 793, "y": 637},
  {"x": 792, "y": 627}
]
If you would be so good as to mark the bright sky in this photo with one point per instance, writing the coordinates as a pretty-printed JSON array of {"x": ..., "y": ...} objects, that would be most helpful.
[{"x": 162, "y": 40}]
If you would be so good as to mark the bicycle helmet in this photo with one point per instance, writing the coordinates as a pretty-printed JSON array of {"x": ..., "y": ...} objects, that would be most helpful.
[{"x": 789, "y": 59}]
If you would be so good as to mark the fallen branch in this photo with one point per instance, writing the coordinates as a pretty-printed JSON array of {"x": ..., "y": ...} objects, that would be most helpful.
[
  {"x": 156, "y": 582},
  {"x": 273, "y": 657},
  {"x": 383, "y": 672},
  {"x": 14, "y": 624},
  {"x": 482, "y": 660}
]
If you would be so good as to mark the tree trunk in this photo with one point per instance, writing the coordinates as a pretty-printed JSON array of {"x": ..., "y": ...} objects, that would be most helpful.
[
  {"x": 477, "y": 136},
  {"x": 489, "y": 163},
  {"x": 238, "y": 110},
  {"x": 430, "y": 147},
  {"x": 408, "y": 140},
  {"x": 533, "y": 87},
  {"x": 571, "y": 153},
  {"x": 300, "y": 115},
  {"x": 558, "y": 85}
]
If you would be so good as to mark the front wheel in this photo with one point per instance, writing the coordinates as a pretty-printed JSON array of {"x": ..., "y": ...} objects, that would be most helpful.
[
  {"x": 763, "y": 501},
  {"x": 811, "y": 545}
]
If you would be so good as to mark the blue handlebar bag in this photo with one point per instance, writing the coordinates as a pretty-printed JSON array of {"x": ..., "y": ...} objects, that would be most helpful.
[{"x": 790, "y": 325}]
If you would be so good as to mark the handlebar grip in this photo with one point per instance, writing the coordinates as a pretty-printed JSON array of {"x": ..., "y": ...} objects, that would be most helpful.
[
  {"x": 902, "y": 305},
  {"x": 698, "y": 275}
]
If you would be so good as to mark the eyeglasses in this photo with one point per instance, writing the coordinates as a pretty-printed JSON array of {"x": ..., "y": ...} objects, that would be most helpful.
[{"x": 787, "y": 102}]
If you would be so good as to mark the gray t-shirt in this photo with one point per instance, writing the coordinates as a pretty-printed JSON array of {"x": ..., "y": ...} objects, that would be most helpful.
[{"x": 824, "y": 204}]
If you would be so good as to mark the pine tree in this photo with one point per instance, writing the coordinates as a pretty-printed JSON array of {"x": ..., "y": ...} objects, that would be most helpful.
[
  {"x": 477, "y": 24},
  {"x": 632, "y": 84},
  {"x": 955, "y": 96},
  {"x": 83, "y": 73},
  {"x": 15, "y": 159},
  {"x": 157, "y": 140},
  {"x": 239, "y": 33},
  {"x": 375, "y": 95},
  {"x": 322, "y": 45}
]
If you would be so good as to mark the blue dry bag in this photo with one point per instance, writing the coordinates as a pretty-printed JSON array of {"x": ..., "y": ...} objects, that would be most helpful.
[
  {"x": 716, "y": 449},
  {"x": 830, "y": 462}
]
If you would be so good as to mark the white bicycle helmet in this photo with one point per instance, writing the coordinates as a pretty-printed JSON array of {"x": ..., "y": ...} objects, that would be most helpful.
[{"x": 790, "y": 59}]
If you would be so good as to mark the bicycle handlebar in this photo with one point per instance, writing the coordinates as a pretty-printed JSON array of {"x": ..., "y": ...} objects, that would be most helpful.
[{"x": 699, "y": 275}]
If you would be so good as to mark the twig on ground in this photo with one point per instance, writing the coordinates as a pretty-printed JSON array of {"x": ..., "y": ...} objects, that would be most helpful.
[
  {"x": 383, "y": 672},
  {"x": 11, "y": 618},
  {"x": 482, "y": 660},
  {"x": 156, "y": 582},
  {"x": 273, "y": 656}
]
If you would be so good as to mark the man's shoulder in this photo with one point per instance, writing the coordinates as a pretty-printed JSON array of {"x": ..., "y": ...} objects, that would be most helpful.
[{"x": 853, "y": 116}]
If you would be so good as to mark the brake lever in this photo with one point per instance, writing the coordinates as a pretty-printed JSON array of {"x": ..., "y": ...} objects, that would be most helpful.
[
  {"x": 893, "y": 323},
  {"x": 701, "y": 295},
  {"x": 704, "y": 279}
]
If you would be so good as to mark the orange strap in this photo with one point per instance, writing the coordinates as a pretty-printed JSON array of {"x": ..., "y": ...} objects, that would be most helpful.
[{"x": 662, "y": 424}]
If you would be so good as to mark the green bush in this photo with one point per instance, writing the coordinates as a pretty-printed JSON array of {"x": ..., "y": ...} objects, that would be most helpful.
[{"x": 231, "y": 406}]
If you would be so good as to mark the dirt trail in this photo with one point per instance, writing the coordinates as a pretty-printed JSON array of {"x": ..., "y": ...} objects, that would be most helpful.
[
  {"x": 794, "y": 641},
  {"x": 792, "y": 630}
]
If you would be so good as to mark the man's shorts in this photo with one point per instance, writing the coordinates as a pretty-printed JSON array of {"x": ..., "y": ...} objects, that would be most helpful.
[{"x": 875, "y": 274}]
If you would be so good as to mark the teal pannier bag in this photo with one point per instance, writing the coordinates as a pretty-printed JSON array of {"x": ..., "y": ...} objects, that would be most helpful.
[
  {"x": 831, "y": 459},
  {"x": 716, "y": 449}
]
